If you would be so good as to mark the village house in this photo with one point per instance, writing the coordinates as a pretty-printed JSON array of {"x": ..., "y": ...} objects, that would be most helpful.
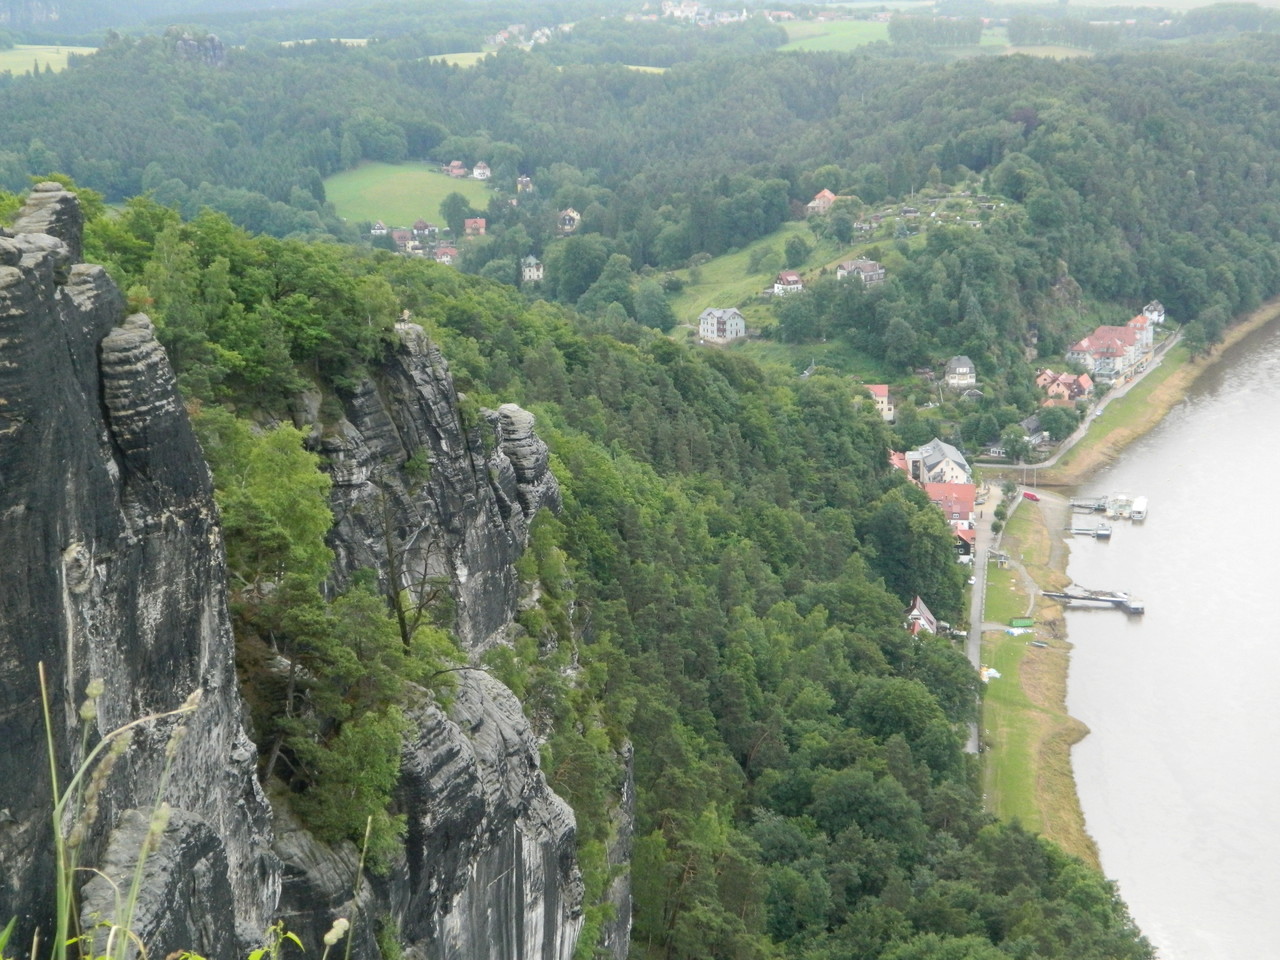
[
  {"x": 524, "y": 184},
  {"x": 920, "y": 617},
  {"x": 1113, "y": 353},
  {"x": 961, "y": 374},
  {"x": 445, "y": 254},
  {"x": 721, "y": 324},
  {"x": 402, "y": 238},
  {"x": 955, "y": 500},
  {"x": 868, "y": 271},
  {"x": 1064, "y": 386},
  {"x": 788, "y": 281},
  {"x": 379, "y": 229},
  {"x": 473, "y": 227},
  {"x": 884, "y": 405},
  {"x": 1154, "y": 311},
  {"x": 938, "y": 462},
  {"x": 531, "y": 269},
  {"x": 422, "y": 230},
  {"x": 481, "y": 171},
  {"x": 820, "y": 204},
  {"x": 568, "y": 220},
  {"x": 456, "y": 169}
]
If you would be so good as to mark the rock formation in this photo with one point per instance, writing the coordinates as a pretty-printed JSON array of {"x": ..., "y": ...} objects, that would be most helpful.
[
  {"x": 112, "y": 562},
  {"x": 113, "y": 568}
]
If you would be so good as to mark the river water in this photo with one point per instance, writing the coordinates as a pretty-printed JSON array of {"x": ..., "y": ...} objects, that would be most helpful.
[{"x": 1179, "y": 777}]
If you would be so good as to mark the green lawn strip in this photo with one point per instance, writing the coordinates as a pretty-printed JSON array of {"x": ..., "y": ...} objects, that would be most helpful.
[
  {"x": 1006, "y": 597},
  {"x": 1011, "y": 733},
  {"x": 399, "y": 193},
  {"x": 23, "y": 57}
]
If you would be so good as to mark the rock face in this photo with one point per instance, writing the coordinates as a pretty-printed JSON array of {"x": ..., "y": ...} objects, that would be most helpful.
[
  {"x": 113, "y": 565},
  {"x": 418, "y": 492},
  {"x": 113, "y": 568},
  {"x": 431, "y": 500}
]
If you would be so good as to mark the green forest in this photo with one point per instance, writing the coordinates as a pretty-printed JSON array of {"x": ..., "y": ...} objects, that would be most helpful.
[{"x": 729, "y": 572}]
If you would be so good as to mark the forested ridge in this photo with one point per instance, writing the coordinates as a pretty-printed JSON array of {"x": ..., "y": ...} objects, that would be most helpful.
[{"x": 724, "y": 589}]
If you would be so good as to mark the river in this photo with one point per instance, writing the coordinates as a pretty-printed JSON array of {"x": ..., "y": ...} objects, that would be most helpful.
[{"x": 1178, "y": 779}]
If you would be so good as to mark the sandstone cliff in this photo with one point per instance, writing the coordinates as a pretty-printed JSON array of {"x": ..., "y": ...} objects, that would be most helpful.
[{"x": 113, "y": 567}]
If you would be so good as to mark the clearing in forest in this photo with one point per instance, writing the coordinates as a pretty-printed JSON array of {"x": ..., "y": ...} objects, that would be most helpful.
[
  {"x": 25, "y": 56},
  {"x": 399, "y": 193}
]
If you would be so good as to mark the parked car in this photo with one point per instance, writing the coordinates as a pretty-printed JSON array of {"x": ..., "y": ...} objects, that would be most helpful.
[{"x": 1028, "y": 495}]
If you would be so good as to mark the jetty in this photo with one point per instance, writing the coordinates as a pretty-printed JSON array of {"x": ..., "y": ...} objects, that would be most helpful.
[
  {"x": 1117, "y": 506},
  {"x": 1121, "y": 601},
  {"x": 1100, "y": 531}
]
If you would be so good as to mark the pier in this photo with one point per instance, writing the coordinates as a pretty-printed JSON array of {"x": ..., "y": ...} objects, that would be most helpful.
[
  {"x": 1101, "y": 531},
  {"x": 1121, "y": 601}
]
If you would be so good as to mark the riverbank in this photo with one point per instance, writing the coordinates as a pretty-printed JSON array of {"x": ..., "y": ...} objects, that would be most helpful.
[{"x": 1026, "y": 730}]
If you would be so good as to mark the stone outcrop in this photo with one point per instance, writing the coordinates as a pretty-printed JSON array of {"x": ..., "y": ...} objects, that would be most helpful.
[
  {"x": 113, "y": 568},
  {"x": 428, "y": 498},
  {"x": 418, "y": 492}
]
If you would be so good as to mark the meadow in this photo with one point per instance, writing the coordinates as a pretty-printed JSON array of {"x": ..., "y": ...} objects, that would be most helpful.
[
  {"x": 838, "y": 35},
  {"x": 399, "y": 193},
  {"x": 23, "y": 57}
]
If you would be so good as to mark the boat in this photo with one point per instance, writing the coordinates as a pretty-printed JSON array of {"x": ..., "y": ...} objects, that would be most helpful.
[{"x": 1139, "y": 509}]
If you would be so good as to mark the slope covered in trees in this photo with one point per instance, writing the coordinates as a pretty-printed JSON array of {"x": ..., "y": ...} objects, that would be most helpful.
[{"x": 724, "y": 590}]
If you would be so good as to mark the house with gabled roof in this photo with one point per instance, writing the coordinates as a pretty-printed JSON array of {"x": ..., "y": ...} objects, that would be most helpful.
[
  {"x": 721, "y": 324},
  {"x": 473, "y": 227},
  {"x": 920, "y": 618},
  {"x": 1064, "y": 386},
  {"x": 456, "y": 168},
  {"x": 938, "y": 462},
  {"x": 379, "y": 229},
  {"x": 961, "y": 373},
  {"x": 531, "y": 269},
  {"x": 788, "y": 281},
  {"x": 481, "y": 171},
  {"x": 884, "y": 404},
  {"x": 821, "y": 203},
  {"x": 868, "y": 271}
]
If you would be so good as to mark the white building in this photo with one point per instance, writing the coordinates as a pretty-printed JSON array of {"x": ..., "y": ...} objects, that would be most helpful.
[{"x": 721, "y": 324}]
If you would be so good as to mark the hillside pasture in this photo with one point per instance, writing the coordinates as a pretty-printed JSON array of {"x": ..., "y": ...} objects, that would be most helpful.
[
  {"x": 466, "y": 59},
  {"x": 399, "y": 193},
  {"x": 837, "y": 35},
  {"x": 23, "y": 57}
]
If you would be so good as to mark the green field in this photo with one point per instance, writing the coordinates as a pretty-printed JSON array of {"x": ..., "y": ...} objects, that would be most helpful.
[
  {"x": 399, "y": 193},
  {"x": 839, "y": 35},
  {"x": 23, "y": 57},
  {"x": 468, "y": 59}
]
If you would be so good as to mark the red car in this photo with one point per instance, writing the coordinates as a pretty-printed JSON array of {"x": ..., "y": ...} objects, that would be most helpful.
[{"x": 1028, "y": 495}]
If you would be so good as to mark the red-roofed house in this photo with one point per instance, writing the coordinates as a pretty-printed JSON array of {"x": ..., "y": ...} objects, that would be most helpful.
[
  {"x": 1109, "y": 353},
  {"x": 884, "y": 405},
  {"x": 898, "y": 460},
  {"x": 456, "y": 168},
  {"x": 445, "y": 254},
  {"x": 473, "y": 227},
  {"x": 788, "y": 281},
  {"x": 1064, "y": 386},
  {"x": 955, "y": 500},
  {"x": 821, "y": 203}
]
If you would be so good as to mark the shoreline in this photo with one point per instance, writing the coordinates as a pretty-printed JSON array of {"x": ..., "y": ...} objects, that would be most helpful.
[{"x": 1042, "y": 550}]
